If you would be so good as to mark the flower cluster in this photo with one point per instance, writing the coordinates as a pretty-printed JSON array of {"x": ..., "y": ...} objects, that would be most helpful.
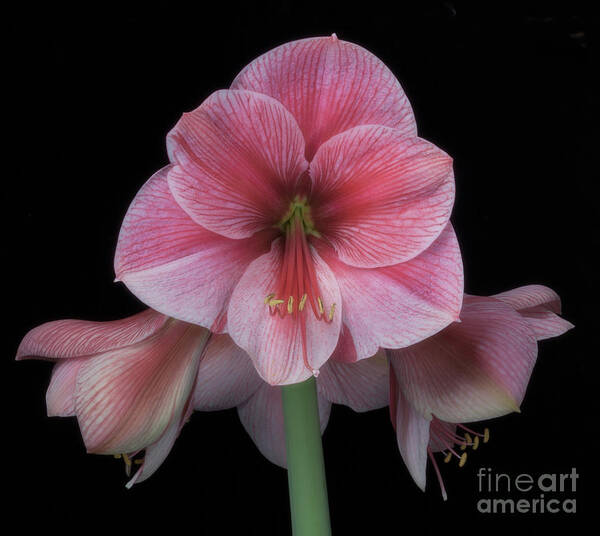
[{"x": 301, "y": 228}]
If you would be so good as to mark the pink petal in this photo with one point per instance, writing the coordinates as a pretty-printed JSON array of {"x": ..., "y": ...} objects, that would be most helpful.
[
  {"x": 274, "y": 343},
  {"x": 362, "y": 386},
  {"x": 238, "y": 157},
  {"x": 61, "y": 391},
  {"x": 329, "y": 86},
  {"x": 126, "y": 398},
  {"x": 412, "y": 434},
  {"x": 262, "y": 417},
  {"x": 473, "y": 370},
  {"x": 156, "y": 453},
  {"x": 79, "y": 338},
  {"x": 540, "y": 306},
  {"x": 380, "y": 197},
  {"x": 226, "y": 376},
  {"x": 176, "y": 266},
  {"x": 400, "y": 305}
]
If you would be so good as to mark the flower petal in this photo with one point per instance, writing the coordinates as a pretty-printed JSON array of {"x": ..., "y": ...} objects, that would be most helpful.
[
  {"x": 329, "y": 86},
  {"x": 473, "y": 370},
  {"x": 262, "y": 417},
  {"x": 156, "y": 453},
  {"x": 176, "y": 266},
  {"x": 61, "y": 391},
  {"x": 126, "y": 399},
  {"x": 362, "y": 386},
  {"x": 400, "y": 305},
  {"x": 412, "y": 434},
  {"x": 274, "y": 343},
  {"x": 238, "y": 157},
  {"x": 541, "y": 306},
  {"x": 380, "y": 197},
  {"x": 226, "y": 376},
  {"x": 80, "y": 338}
]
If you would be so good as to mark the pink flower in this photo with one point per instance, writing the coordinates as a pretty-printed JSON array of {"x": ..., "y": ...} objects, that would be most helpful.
[
  {"x": 298, "y": 205},
  {"x": 473, "y": 370},
  {"x": 133, "y": 383}
]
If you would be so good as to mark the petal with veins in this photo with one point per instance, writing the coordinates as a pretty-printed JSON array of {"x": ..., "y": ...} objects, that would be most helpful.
[
  {"x": 176, "y": 266},
  {"x": 275, "y": 344},
  {"x": 329, "y": 86},
  {"x": 380, "y": 197},
  {"x": 237, "y": 159},
  {"x": 473, "y": 370},
  {"x": 400, "y": 305}
]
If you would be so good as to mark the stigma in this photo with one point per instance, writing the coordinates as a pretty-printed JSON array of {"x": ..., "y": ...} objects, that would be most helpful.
[
  {"x": 297, "y": 290},
  {"x": 452, "y": 445}
]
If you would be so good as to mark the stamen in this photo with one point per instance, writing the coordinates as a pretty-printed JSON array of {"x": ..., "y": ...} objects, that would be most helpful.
[
  {"x": 448, "y": 457},
  {"x": 269, "y": 298},
  {"x": 290, "y": 305},
  {"x": 463, "y": 459},
  {"x": 302, "y": 302},
  {"x": 331, "y": 311},
  {"x": 486, "y": 435},
  {"x": 320, "y": 302},
  {"x": 476, "y": 443}
]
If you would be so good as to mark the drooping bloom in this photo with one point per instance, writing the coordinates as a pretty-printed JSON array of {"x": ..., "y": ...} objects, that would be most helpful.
[
  {"x": 473, "y": 370},
  {"x": 133, "y": 383},
  {"x": 298, "y": 205}
]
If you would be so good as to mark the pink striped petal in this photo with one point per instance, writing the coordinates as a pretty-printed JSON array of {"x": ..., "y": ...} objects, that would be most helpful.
[
  {"x": 540, "y": 306},
  {"x": 79, "y": 338},
  {"x": 61, "y": 391},
  {"x": 238, "y": 157},
  {"x": 226, "y": 376},
  {"x": 473, "y": 370},
  {"x": 400, "y": 305},
  {"x": 176, "y": 266},
  {"x": 412, "y": 434},
  {"x": 262, "y": 418},
  {"x": 362, "y": 386},
  {"x": 275, "y": 344},
  {"x": 156, "y": 454},
  {"x": 380, "y": 197},
  {"x": 126, "y": 399},
  {"x": 329, "y": 86}
]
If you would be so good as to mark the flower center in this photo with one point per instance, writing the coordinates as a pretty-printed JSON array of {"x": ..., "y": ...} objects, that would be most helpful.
[
  {"x": 444, "y": 441},
  {"x": 297, "y": 287}
]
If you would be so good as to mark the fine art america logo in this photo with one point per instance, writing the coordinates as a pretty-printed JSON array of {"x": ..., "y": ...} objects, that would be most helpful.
[{"x": 547, "y": 493}]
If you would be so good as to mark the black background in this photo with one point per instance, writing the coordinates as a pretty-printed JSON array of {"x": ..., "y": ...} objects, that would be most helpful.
[{"x": 505, "y": 89}]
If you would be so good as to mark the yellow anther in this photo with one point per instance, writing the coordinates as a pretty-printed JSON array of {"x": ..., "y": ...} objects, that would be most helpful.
[
  {"x": 302, "y": 302},
  {"x": 448, "y": 457},
  {"x": 126, "y": 459},
  {"x": 290, "y": 307},
  {"x": 463, "y": 446},
  {"x": 468, "y": 438},
  {"x": 331, "y": 311},
  {"x": 269, "y": 298},
  {"x": 463, "y": 459},
  {"x": 476, "y": 443},
  {"x": 320, "y": 302},
  {"x": 139, "y": 462},
  {"x": 486, "y": 435},
  {"x": 273, "y": 303},
  {"x": 117, "y": 456}
]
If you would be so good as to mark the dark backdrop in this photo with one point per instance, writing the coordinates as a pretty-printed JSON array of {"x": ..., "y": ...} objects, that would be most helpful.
[{"x": 506, "y": 90}]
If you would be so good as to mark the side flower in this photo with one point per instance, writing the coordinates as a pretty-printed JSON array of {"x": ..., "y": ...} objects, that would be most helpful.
[{"x": 473, "y": 370}]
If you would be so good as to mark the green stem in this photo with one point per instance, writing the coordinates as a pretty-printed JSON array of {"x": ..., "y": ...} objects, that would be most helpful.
[{"x": 306, "y": 469}]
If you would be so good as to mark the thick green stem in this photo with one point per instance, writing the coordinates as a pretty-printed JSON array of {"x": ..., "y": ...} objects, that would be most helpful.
[{"x": 306, "y": 469}]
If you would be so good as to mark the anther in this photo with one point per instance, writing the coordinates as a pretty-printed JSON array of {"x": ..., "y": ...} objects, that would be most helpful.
[
  {"x": 468, "y": 438},
  {"x": 331, "y": 311},
  {"x": 290, "y": 305},
  {"x": 476, "y": 443},
  {"x": 486, "y": 435},
  {"x": 273, "y": 303},
  {"x": 117, "y": 456},
  {"x": 463, "y": 446},
  {"x": 448, "y": 457},
  {"x": 139, "y": 462},
  {"x": 302, "y": 302},
  {"x": 463, "y": 459},
  {"x": 320, "y": 302},
  {"x": 269, "y": 298}
]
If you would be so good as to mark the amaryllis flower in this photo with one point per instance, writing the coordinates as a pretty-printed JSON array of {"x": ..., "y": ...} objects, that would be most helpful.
[
  {"x": 298, "y": 204},
  {"x": 133, "y": 383},
  {"x": 473, "y": 370}
]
